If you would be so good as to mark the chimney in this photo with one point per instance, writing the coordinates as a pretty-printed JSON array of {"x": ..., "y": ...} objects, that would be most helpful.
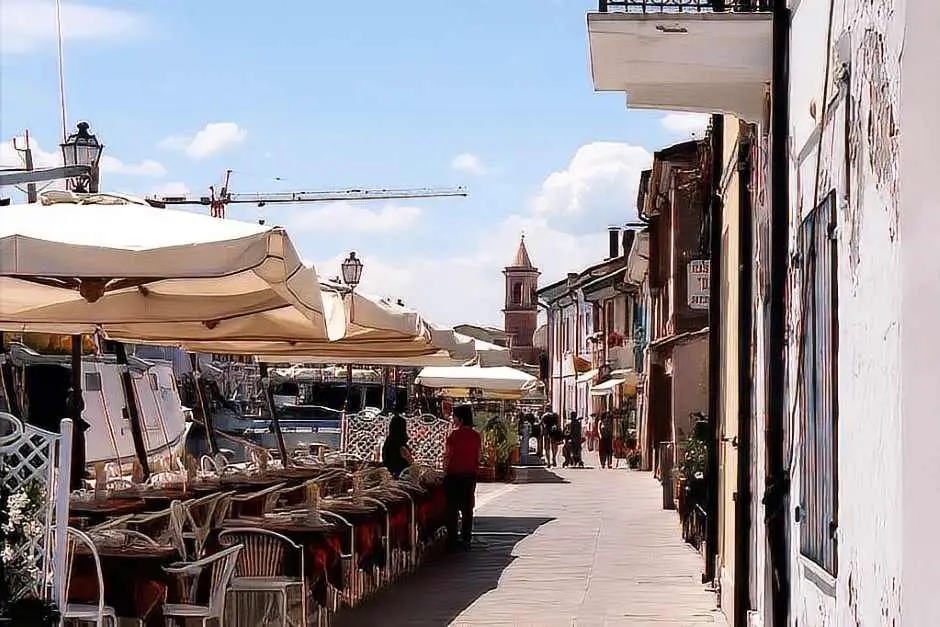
[{"x": 613, "y": 238}]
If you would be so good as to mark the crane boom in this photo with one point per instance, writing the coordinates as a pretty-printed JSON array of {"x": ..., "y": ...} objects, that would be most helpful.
[{"x": 262, "y": 199}]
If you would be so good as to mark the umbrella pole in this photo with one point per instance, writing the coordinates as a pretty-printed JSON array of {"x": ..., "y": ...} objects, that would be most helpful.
[
  {"x": 76, "y": 405},
  {"x": 133, "y": 410},
  {"x": 206, "y": 416},
  {"x": 275, "y": 421}
]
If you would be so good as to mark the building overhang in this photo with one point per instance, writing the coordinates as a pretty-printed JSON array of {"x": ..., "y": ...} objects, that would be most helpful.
[{"x": 701, "y": 62}]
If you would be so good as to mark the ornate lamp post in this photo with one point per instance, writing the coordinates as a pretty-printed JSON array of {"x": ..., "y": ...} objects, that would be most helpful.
[
  {"x": 352, "y": 273},
  {"x": 83, "y": 148}
]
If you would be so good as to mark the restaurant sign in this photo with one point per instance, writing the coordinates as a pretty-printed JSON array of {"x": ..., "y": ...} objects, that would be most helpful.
[{"x": 699, "y": 271}]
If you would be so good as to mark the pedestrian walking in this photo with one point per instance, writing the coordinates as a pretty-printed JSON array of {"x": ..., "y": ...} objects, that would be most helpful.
[
  {"x": 605, "y": 431},
  {"x": 552, "y": 437},
  {"x": 461, "y": 462}
]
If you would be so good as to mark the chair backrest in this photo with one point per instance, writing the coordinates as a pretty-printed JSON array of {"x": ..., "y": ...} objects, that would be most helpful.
[
  {"x": 123, "y": 537},
  {"x": 263, "y": 551},
  {"x": 176, "y": 524},
  {"x": 78, "y": 538},
  {"x": 222, "y": 565},
  {"x": 222, "y": 508},
  {"x": 199, "y": 517}
]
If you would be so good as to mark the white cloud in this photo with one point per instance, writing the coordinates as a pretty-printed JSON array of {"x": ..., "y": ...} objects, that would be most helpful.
[
  {"x": 685, "y": 124},
  {"x": 214, "y": 138},
  {"x": 29, "y": 25},
  {"x": 347, "y": 216},
  {"x": 467, "y": 286},
  {"x": 147, "y": 167},
  {"x": 598, "y": 188},
  {"x": 468, "y": 164},
  {"x": 171, "y": 188}
]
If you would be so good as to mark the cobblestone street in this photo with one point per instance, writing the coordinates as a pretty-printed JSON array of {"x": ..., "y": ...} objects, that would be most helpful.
[{"x": 569, "y": 548}]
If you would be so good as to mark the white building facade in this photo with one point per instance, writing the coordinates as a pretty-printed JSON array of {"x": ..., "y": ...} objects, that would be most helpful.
[{"x": 863, "y": 279}]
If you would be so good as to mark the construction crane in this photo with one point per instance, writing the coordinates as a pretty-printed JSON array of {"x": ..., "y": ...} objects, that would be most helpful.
[{"x": 218, "y": 201}]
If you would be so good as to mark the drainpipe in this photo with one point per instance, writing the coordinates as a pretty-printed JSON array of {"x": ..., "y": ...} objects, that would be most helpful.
[
  {"x": 742, "y": 501},
  {"x": 714, "y": 348},
  {"x": 776, "y": 496}
]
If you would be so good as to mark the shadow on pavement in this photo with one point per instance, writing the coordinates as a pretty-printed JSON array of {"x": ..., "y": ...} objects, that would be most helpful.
[
  {"x": 443, "y": 588},
  {"x": 537, "y": 474}
]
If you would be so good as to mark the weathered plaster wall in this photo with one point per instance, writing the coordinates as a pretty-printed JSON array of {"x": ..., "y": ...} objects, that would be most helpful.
[
  {"x": 868, "y": 35},
  {"x": 689, "y": 384}
]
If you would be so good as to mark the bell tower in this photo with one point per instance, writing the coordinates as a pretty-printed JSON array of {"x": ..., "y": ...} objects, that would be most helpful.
[{"x": 521, "y": 311}]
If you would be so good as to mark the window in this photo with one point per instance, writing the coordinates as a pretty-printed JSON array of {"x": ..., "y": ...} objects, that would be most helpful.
[
  {"x": 818, "y": 378},
  {"x": 517, "y": 293},
  {"x": 92, "y": 382}
]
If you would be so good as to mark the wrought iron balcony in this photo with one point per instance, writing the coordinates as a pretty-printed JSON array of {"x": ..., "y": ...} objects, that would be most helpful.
[{"x": 684, "y": 6}]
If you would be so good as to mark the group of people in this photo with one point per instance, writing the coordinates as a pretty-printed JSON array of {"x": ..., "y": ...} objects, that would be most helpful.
[
  {"x": 464, "y": 447},
  {"x": 461, "y": 463},
  {"x": 570, "y": 438}
]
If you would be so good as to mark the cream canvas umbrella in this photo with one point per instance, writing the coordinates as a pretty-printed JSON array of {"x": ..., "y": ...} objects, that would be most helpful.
[
  {"x": 445, "y": 348},
  {"x": 372, "y": 326},
  {"x": 500, "y": 379},
  {"x": 74, "y": 263}
]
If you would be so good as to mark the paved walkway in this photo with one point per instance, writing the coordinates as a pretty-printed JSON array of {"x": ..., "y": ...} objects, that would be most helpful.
[{"x": 569, "y": 548}]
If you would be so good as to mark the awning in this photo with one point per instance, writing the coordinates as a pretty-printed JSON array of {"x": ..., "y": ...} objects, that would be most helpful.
[
  {"x": 588, "y": 376},
  {"x": 607, "y": 387},
  {"x": 629, "y": 375}
]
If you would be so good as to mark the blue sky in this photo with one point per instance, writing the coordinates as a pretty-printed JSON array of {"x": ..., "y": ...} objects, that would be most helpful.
[{"x": 490, "y": 94}]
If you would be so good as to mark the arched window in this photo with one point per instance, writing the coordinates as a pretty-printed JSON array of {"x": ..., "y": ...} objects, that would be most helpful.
[
  {"x": 517, "y": 293},
  {"x": 533, "y": 296}
]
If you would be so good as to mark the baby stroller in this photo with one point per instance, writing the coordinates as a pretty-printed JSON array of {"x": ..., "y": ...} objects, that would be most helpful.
[{"x": 571, "y": 451}]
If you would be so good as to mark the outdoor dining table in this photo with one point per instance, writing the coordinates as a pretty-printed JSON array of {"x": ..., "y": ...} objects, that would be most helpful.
[
  {"x": 321, "y": 541},
  {"x": 368, "y": 521},
  {"x": 135, "y": 583},
  {"x": 94, "y": 511}
]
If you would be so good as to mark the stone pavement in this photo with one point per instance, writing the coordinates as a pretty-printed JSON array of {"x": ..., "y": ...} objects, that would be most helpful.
[{"x": 569, "y": 548}]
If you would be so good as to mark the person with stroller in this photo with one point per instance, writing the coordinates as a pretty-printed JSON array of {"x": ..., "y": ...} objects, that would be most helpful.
[{"x": 574, "y": 439}]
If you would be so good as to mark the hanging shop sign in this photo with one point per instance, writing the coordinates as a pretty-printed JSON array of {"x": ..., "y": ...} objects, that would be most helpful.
[{"x": 699, "y": 271}]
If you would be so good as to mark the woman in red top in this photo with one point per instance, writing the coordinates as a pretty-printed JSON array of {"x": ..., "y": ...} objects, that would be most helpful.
[{"x": 461, "y": 462}]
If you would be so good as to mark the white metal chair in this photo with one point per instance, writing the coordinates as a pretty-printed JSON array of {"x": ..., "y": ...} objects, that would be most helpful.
[
  {"x": 197, "y": 517},
  {"x": 99, "y": 613},
  {"x": 165, "y": 526},
  {"x": 221, "y": 567},
  {"x": 261, "y": 567},
  {"x": 350, "y": 561}
]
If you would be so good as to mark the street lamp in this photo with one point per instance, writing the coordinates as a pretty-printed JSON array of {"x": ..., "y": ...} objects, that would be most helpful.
[
  {"x": 84, "y": 149},
  {"x": 352, "y": 271}
]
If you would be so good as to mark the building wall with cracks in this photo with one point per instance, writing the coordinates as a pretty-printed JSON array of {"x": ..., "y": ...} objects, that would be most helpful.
[{"x": 845, "y": 99}]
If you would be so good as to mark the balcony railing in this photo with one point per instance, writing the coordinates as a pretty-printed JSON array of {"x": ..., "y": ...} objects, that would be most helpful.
[{"x": 684, "y": 6}]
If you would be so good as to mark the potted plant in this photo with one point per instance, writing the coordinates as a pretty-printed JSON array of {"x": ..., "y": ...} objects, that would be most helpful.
[
  {"x": 20, "y": 578},
  {"x": 500, "y": 444}
]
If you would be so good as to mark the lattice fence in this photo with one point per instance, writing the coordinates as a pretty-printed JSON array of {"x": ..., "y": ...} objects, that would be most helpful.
[
  {"x": 364, "y": 433},
  {"x": 28, "y": 455}
]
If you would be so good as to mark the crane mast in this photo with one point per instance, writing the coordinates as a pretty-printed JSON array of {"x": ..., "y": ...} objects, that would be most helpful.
[{"x": 218, "y": 202}]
